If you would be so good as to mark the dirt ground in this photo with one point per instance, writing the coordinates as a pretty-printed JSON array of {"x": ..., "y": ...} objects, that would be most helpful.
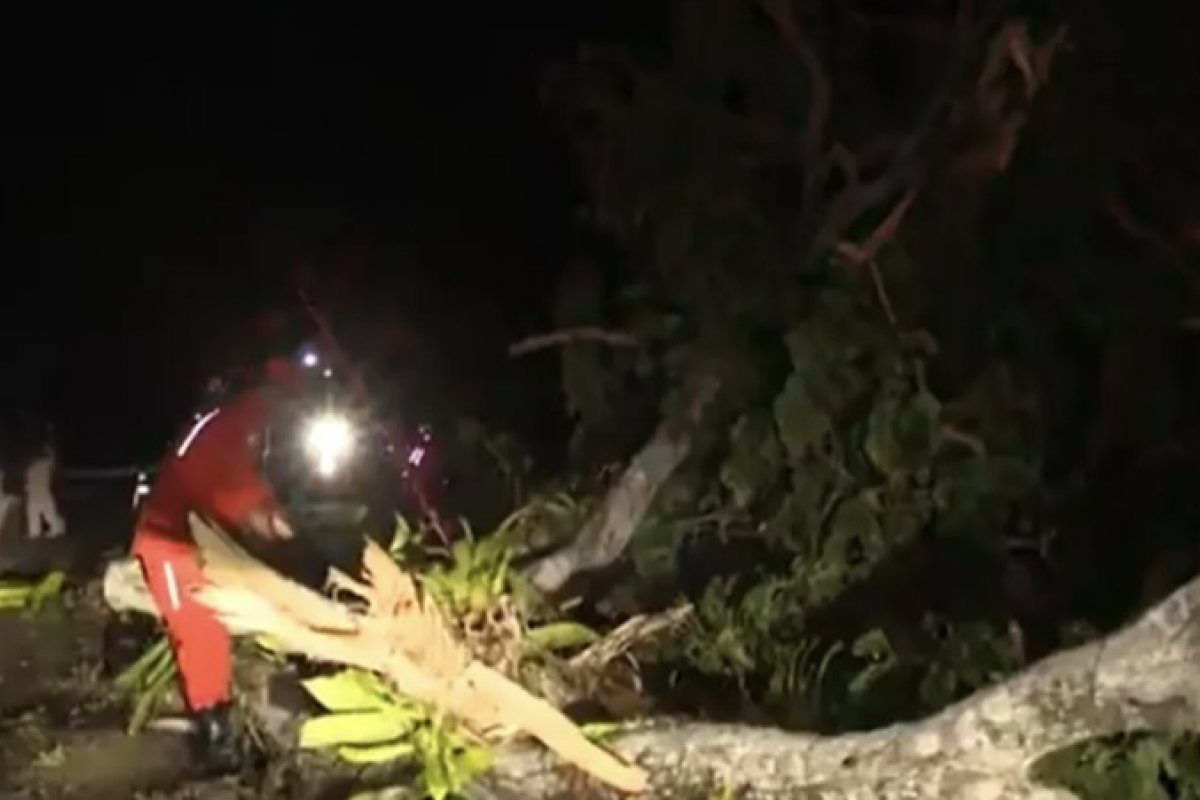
[{"x": 62, "y": 731}]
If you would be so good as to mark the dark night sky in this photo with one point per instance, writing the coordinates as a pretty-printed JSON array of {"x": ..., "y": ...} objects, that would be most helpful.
[{"x": 150, "y": 165}]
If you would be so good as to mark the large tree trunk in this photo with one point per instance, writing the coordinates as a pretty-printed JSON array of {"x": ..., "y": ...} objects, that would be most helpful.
[{"x": 1140, "y": 678}]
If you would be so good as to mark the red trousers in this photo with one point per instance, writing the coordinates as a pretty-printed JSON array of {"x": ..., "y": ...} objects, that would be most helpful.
[{"x": 201, "y": 644}]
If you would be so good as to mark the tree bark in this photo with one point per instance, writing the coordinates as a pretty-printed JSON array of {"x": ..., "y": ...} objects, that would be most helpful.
[
  {"x": 608, "y": 532},
  {"x": 982, "y": 748}
]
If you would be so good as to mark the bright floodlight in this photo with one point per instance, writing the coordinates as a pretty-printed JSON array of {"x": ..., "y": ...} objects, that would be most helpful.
[
  {"x": 309, "y": 359},
  {"x": 329, "y": 441}
]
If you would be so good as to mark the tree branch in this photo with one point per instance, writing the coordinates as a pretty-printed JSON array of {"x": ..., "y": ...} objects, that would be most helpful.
[
  {"x": 567, "y": 336},
  {"x": 820, "y": 106},
  {"x": 607, "y": 533},
  {"x": 853, "y": 254}
]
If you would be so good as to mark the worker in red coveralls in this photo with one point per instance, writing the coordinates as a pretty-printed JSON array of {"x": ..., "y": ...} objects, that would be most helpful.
[{"x": 213, "y": 471}]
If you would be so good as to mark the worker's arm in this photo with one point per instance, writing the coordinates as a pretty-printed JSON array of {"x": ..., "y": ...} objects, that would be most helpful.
[
  {"x": 243, "y": 499},
  {"x": 225, "y": 479}
]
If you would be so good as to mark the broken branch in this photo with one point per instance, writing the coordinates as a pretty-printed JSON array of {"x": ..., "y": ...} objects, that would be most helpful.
[
  {"x": 608, "y": 532},
  {"x": 402, "y": 636}
]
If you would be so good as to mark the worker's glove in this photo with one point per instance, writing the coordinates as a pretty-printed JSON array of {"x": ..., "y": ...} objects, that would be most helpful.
[{"x": 269, "y": 525}]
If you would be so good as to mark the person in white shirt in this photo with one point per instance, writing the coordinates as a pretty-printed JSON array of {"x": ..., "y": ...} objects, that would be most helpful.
[
  {"x": 40, "y": 505},
  {"x": 7, "y": 501}
]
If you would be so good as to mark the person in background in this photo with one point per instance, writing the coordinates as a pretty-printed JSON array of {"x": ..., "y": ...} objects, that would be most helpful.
[
  {"x": 7, "y": 501},
  {"x": 40, "y": 504}
]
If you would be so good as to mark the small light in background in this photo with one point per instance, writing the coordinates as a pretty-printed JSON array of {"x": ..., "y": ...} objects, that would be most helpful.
[{"x": 416, "y": 456}]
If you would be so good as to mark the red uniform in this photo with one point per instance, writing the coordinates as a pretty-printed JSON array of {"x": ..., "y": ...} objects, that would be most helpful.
[{"x": 212, "y": 471}]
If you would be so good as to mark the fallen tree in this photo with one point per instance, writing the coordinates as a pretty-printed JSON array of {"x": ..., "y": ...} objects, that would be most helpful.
[{"x": 1142, "y": 677}]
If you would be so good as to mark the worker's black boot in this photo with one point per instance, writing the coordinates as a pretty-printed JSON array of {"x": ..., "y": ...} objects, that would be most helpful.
[{"x": 215, "y": 742}]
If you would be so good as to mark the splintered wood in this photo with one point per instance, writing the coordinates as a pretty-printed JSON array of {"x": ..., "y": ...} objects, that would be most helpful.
[{"x": 401, "y": 635}]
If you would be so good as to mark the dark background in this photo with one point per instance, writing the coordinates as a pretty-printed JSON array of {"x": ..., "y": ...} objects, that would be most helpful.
[{"x": 165, "y": 176}]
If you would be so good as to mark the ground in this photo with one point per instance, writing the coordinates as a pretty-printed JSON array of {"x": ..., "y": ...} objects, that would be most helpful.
[{"x": 62, "y": 732}]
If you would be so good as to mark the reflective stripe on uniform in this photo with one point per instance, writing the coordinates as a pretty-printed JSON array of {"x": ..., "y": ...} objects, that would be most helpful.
[
  {"x": 195, "y": 431},
  {"x": 172, "y": 585}
]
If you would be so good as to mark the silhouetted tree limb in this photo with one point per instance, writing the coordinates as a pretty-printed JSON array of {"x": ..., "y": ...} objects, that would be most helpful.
[
  {"x": 571, "y": 336},
  {"x": 608, "y": 532}
]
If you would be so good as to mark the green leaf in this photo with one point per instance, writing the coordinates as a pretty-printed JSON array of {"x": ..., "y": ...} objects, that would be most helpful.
[
  {"x": 754, "y": 458},
  {"x": 348, "y": 690},
  {"x": 377, "y": 754},
  {"x": 600, "y": 732},
  {"x": 435, "y": 777},
  {"x": 855, "y": 521},
  {"x": 14, "y": 594},
  {"x": 355, "y": 728},
  {"x": 873, "y": 645},
  {"x": 48, "y": 587},
  {"x": 136, "y": 673},
  {"x": 156, "y": 683},
  {"x": 902, "y": 432},
  {"x": 555, "y": 636},
  {"x": 802, "y": 424},
  {"x": 468, "y": 762}
]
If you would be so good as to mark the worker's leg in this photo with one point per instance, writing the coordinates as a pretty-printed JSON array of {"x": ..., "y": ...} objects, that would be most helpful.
[
  {"x": 57, "y": 526},
  {"x": 33, "y": 517},
  {"x": 201, "y": 644},
  {"x": 6, "y": 503},
  {"x": 40, "y": 514},
  {"x": 37, "y": 487},
  {"x": 50, "y": 510}
]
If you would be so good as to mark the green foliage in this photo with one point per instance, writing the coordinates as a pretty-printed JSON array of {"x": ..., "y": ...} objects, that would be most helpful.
[
  {"x": 476, "y": 583},
  {"x": 806, "y": 681},
  {"x": 835, "y": 449},
  {"x": 865, "y": 456},
  {"x": 475, "y": 578},
  {"x": 1132, "y": 766},
  {"x": 972, "y": 655},
  {"x": 852, "y": 460},
  {"x": 834, "y": 446},
  {"x": 556, "y": 636},
  {"x": 31, "y": 597},
  {"x": 369, "y": 723},
  {"x": 487, "y": 453},
  {"x": 146, "y": 682}
]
